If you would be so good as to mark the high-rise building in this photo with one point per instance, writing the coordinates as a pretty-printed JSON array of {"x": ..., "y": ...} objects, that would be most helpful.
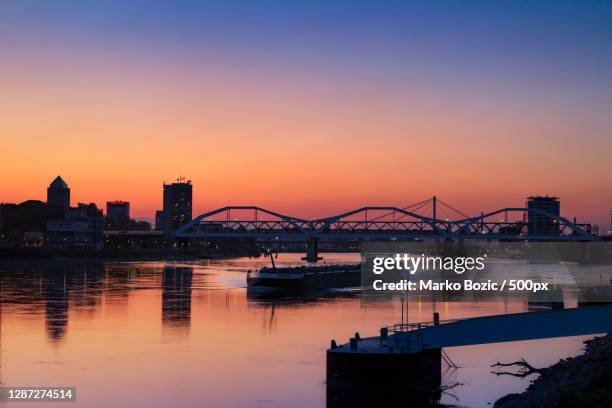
[
  {"x": 177, "y": 204},
  {"x": 119, "y": 210},
  {"x": 541, "y": 224},
  {"x": 58, "y": 194}
]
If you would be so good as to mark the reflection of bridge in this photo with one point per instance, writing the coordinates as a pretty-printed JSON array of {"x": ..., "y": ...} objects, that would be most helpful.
[{"x": 381, "y": 223}]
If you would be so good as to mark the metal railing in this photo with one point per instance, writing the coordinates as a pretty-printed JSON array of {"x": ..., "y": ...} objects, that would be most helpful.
[{"x": 408, "y": 327}]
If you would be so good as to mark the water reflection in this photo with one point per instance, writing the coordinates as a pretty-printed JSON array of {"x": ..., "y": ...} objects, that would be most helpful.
[
  {"x": 1, "y": 318},
  {"x": 105, "y": 329},
  {"x": 176, "y": 298},
  {"x": 56, "y": 306},
  {"x": 288, "y": 298}
]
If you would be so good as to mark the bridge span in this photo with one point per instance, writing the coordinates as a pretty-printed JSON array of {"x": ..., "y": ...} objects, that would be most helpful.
[{"x": 383, "y": 223}]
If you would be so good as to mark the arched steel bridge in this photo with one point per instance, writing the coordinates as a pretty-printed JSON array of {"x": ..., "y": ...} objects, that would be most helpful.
[{"x": 383, "y": 223}]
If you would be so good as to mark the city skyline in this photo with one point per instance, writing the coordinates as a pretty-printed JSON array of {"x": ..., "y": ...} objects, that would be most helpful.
[
  {"x": 310, "y": 109},
  {"x": 184, "y": 210}
]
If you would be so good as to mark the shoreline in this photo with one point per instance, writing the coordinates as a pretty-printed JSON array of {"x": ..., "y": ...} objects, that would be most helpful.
[
  {"x": 582, "y": 381},
  {"x": 96, "y": 259}
]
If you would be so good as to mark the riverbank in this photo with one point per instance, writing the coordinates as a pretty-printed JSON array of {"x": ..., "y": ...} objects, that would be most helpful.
[
  {"x": 583, "y": 381},
  {"x": 36, "y": 255},
  {"x": 74, "y": 262}
]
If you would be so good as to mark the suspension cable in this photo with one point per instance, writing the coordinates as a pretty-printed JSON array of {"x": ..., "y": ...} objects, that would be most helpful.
[
  {"x": 420, "y": 203},
  {"x": 453, "y": 209}
]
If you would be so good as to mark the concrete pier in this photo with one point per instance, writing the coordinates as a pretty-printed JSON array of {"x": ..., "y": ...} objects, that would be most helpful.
[
  {"x": 417, "y": 370},
  {"x": 373, "y": 380},
  {"x": 410, "y": 355},
  {"x": 312, "y": 250}
]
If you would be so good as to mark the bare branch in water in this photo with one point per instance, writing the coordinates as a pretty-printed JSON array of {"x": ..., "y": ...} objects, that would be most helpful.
[
  {"x": 444, "y": 390},
  {"x": 525, "y": 369}
]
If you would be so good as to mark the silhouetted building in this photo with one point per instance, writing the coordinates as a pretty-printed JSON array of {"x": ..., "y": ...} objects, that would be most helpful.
[
  {"x": 118, "y": 216},
  {"x": 159, "y": 220},
  {"x": 54, "y": 223},
  {"x": 542, "y": 224},
  {"x": 81, "y": 228},
  {"x": 58, "y": 193},
  {"x": 25, "y": 224},
  {"x": 135, "y": 239},
  {"x": 118, "y": 210},
  {"x": 177, "y": 204}
]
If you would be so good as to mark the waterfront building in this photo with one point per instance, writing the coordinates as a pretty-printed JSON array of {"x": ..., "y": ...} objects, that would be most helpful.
[
  {"x": 54, "y": 223},
  {"x": 58, "y": 194},
  {"x": 81, "y": 228},
  {"x": 541, "y": 224},
  {"x": 24, "y": 224},
  {"x": 118, "y": 216},
  {"x": 119, "y": 210},
  {"x": 135, "y": 239},
  {"x": 177, "y": 204}
]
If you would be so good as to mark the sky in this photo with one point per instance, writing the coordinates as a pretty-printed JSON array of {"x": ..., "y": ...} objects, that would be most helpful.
[{"x": 309, "y": 108}]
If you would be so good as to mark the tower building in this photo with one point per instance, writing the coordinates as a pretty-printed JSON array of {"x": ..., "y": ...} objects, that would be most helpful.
[
  {"x": 177, "y": 204},
  {"x": 539, "y": 223},
  {"x": 58, "y": 194},
  {"x": 119, "y": 210}
]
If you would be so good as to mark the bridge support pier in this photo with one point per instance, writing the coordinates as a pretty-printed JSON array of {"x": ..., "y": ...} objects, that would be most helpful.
[{"x": 312, "y": 250}]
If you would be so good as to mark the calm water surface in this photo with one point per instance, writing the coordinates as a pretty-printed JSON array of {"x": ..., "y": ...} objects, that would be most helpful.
[{"x": 188, "y": 334}]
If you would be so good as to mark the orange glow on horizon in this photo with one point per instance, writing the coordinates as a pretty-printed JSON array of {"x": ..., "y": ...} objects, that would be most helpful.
[{"x": 301, "y": 146}]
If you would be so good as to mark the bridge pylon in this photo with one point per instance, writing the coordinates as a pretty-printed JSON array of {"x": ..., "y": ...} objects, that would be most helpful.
[{"x": 312, "y": 250}]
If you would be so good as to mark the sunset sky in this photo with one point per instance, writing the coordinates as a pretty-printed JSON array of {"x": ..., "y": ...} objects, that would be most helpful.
[{"x": 309, "y": 108}]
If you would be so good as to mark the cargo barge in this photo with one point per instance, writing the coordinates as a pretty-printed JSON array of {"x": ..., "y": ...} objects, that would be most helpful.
[{"x": 305, "y": 277}]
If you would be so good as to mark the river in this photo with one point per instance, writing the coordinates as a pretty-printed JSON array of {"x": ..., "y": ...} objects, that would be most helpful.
[{"x": 189, "y": 334}]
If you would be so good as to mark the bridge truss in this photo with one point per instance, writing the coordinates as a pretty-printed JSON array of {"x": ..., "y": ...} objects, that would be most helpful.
[{"x": 383, "y": 223}]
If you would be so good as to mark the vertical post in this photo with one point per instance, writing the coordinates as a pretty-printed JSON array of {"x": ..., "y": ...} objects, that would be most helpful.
[
  {"x": 482, "y": 222},
  {"x": 405, "y": 294},
  {"x": 272, "y": 259},
  {"x": 434, "y": 207},
  {"x": 402, "y": 306}
]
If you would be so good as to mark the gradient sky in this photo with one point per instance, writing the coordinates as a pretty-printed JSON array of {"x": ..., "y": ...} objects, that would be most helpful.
[{"x": 309, "y": 108}]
